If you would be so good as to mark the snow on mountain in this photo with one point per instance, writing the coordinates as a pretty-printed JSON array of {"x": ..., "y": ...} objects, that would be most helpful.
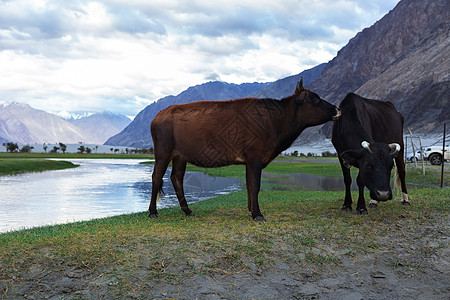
[
  {"x": 20, "y": 123},
  {"x": 101, "y": 126},
  {"x": 66, "y": 115}
]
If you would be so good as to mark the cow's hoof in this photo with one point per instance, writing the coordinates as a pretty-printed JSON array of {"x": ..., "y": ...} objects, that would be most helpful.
[
  {"x": 153, "y": 216},
  {"x": 346, "y": 208},
  {"x": 259, "y": 219},
  {"x": 373, "y": 204},
  {"x": 187, "y": 211},
  {"x": 405, "y": 202},
  {"x": 362, "y": 211}
]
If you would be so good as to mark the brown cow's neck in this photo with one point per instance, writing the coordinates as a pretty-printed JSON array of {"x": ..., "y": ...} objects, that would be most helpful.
[{"x": 290, "y": 127}]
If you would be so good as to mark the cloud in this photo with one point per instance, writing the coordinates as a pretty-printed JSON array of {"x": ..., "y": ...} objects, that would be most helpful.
[{"x": 119, "y": 55}]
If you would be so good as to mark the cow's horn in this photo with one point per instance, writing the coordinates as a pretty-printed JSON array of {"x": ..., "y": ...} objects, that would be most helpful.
[
  {"x": 395, "y": 148},
  {"x": 366, "y": 146}
]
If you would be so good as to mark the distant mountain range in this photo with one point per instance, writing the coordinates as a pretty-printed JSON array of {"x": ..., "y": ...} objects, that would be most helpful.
[
  {"x": 403, "y": 58},
  {"x": 137, "y": 134},
  {"x": 22, "y": 124},
  {"x": 101, "y": 126}
]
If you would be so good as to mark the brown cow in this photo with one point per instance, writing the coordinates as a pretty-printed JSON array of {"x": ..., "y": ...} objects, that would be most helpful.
[{"x": 246, "y": 131}]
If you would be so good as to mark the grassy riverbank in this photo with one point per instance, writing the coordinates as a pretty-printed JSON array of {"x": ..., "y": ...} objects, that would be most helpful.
[
  {"x": 307, "y": 248},
  {"x": 329, "y": 167},
  {"x": 16, "y": 163},
  {"x": 5, "y": 155},
  {"x": 306, "y": 235},
  {"x": 12, "y": 166}
]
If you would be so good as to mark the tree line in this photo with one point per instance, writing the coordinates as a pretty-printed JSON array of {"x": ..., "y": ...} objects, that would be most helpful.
[{"x": 14, "y": 147}]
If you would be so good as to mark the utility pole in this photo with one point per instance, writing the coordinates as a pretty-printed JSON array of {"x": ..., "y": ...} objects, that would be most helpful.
[{"x": 443, "y": 156}]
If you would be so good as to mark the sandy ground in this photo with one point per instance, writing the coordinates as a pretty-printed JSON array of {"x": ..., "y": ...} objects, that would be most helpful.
[{"x": 409, "y": 263}]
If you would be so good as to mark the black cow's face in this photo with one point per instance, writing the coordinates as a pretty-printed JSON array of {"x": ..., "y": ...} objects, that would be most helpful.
[{"x": 375, "y": 164}]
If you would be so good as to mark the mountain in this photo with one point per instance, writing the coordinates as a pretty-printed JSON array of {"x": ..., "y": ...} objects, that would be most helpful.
[
  {"x": 101, "y": 126},
  {"x": 419, "y": 83},
  {"x": 137, "y": 134},
  {"x": 286, "y": 86},
  {"x": 20, "y": 123},
  {"x": 402, "y": 58}
]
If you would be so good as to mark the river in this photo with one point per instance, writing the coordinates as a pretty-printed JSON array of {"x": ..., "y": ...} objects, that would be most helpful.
[{"x": 98, "y": 188}]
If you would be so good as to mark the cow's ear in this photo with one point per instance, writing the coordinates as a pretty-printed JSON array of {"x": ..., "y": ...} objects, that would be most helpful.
[
  {"x": 299, "y": 88},
  {"x": 351, "y": 157}
]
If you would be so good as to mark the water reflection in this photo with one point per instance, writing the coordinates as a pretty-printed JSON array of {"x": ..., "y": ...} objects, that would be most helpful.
[
  {"x": 98, "y": 188},
  {"x": 306, "y": 182}
]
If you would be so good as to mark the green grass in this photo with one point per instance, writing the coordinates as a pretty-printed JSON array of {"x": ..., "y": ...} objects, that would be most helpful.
[
  {"x": 237, "y": 171},
  {"x": 11, "y": 166},
  {"x": 304, "y": 229},
  {"x": 279, "y": 166},
  {"x": 17, "y": 163},
  {"x": 324, "y": 169},
  {"x": 432, "y": 175},
  {"x": 283, "y": 167}
]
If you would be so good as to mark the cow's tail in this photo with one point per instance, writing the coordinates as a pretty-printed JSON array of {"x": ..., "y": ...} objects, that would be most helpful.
[{"x": 397, "y": 181}]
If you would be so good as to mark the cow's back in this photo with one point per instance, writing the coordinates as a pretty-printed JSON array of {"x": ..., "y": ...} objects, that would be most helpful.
[
  {"x": 366, "y": 119},
  {"x": 219, "y": 131}
]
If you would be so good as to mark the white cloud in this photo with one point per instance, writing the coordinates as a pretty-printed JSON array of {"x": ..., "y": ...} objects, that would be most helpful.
[{"x": 83, "y": 55}]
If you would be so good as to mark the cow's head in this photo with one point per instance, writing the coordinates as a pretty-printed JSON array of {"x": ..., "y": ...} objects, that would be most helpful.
[
  {"x": 311, "y": 110},
  {"x": 375, "y": 162}
]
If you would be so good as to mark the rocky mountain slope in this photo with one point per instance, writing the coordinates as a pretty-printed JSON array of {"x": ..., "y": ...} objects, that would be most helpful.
[
  {"x": 403, "y": 58},
  {"x": 420, "y": 92},
  {"x": 22, "y": 124}
]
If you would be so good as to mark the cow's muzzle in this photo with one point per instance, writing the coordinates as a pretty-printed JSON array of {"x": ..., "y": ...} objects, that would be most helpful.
[
  {"x": 382, "y": 195},
  {"x": 337, "y": 115}
]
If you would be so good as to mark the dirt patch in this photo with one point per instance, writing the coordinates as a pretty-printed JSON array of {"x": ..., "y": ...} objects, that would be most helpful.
[{"x": 409, "y": 262}]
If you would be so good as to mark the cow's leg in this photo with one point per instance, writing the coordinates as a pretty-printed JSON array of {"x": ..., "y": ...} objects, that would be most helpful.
[
  {"x": 361, "y": 206},
  {"x": 253, "y": 180},
  {"x": 348, "y": 182},
  {"x": 177, "y": 176},
  {"x": 402, "y": 176},
  {"x": 159, "y": 169}
]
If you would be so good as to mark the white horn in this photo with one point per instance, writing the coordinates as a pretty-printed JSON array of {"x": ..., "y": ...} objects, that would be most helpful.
[
  {"x": 395, "y": 148},
  {"x": 366, "y": 146}
]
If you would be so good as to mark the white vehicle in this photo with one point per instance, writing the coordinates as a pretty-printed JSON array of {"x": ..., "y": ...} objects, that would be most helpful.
[
  {"x": 434, "y": 154},
  {"x": 414, "y": 157}
]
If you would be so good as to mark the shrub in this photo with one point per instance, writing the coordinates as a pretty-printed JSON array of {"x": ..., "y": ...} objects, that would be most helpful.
[{"x": 328, "y": 154}]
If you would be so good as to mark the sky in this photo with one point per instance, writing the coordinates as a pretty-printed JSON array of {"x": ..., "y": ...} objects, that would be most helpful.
[{"x": 122, "y": 55}]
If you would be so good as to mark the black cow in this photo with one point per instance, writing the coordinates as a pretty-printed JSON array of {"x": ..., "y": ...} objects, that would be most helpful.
[{"x": 369, "y": 135}]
